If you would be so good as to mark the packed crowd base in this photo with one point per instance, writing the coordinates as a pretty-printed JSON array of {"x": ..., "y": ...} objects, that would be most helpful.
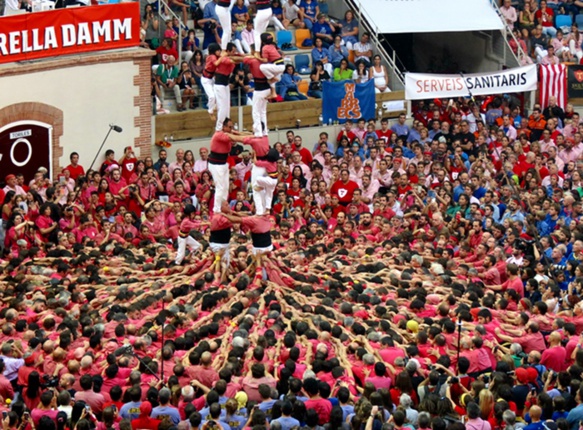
[{"x": 422, "y": 276}]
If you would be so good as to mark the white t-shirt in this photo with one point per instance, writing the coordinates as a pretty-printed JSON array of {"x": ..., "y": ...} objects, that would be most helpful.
[
  {"x": 11, "y": 5},
  {"x": 290, "y": 12}
]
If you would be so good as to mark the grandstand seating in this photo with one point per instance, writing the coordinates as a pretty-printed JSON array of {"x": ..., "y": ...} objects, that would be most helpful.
[{"x": 563, "y": 21}]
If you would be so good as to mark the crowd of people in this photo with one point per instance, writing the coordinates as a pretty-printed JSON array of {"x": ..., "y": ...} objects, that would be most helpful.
[
  {"x": 416, "y": 274},
  {"x": 545, "y": 31}
]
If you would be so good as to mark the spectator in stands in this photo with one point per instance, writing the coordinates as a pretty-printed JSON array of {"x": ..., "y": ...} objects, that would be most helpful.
[
  {"x": 210, "y": 25},
  {"x": 401, "y": 128},
  {"x": 240, "y": 14},
  {"x": 196, "y": 66},
  {"x": 324, "y": 30},
  {"x": 288, "y": 86},
  {"x": 342, "y": 72},
  {"x": 361, "y": 73},
  {"x": 553, "y": 110},
  {"x": 320, "y": 53},
  {"x": 187, "y": 85},
  {"x": 248, "y": 37},
  {"x": 167, "y": 77},
  {"x": 575, "y": 40},
  {"x": 292, "y": 15},
  {"x": 545, "y": 17},
  {"x": 378, "y": 72},
  {"x": 338, "y": 52},
  {"x": 310, "y": 11},
  {"x": 165, "y": 50},
  {"x": 538, "y": 42},
  {"x": 75, "y": 169},
  {"x": 526, "y": 18},
  {"x": 349, "y": 30},
  {"x": 189, "y": 45},
  {"x": 151, "y": 24},
  {"x": 509, "y": 13},
  {"x": 240, "y": 88},
  {"x": 363, "y": 49},
  {"x": 318, "y": 75},
  {"x": 550, "y": 58}
]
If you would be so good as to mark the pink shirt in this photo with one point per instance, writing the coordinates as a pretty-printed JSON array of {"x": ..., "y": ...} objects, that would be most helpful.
[
  {"x": 555, "y": 358},
  {"x": 270, "y": 53}
]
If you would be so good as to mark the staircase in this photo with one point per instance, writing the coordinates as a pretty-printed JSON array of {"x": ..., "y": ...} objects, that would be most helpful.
[{"x": 500, "y": 44}]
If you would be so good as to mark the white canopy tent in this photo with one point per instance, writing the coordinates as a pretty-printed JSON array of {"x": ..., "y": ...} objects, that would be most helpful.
[{"x": 430, "y": 16}]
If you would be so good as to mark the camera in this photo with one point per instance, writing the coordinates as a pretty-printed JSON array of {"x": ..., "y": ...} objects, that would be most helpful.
[
  {"x": 133, "y": 189},
  {"x": 212, "y": 25},
  {"x": 455, "y": 380},
  {"x": 49, "y": 382}
]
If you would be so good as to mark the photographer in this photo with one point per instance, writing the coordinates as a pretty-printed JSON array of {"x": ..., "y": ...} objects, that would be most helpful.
[{"x": 239, "y": 85}]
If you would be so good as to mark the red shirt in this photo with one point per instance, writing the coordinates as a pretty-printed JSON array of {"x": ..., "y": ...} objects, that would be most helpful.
[
  {"x": 226, "y": 66},
  {"x": 256, "y": 224},
  {"x": 209, "y": 65},
  {"x": 166, "y": 52},
  {"x": 385, "y": 135},
  {"x": 254, "y": 67},
  {"x": 555, "y": 358},
  {"x": 349, "y": 134},
  {"x": 220, "y": 222},
  {"x": 270, "y": 53},
  {"x": 344, "y": 191},
  {"x": 322, "y": 406},
  {"x": 220, "y": 143},
  {"x": 75, "y": 171},
  {"x": 514, "y": 284}
]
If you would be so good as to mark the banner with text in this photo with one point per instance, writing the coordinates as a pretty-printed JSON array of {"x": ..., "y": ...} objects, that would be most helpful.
[
  {"x": 69, "y": 31},
  {"x": 347, "y": 100},
  {"x": 575, "y": 82},
  {"x": 421, "y": 86}
]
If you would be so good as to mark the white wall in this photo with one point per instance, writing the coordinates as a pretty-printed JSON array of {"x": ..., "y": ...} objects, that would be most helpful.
[{"x": 91, "y": 97}]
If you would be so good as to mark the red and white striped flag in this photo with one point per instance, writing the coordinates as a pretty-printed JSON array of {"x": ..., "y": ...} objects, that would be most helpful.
[{"x": 553, "y": 82}]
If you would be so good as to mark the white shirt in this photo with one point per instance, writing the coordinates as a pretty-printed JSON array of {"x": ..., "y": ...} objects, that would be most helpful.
[
  {"x": 200, "y": 166},
  {"x": 359, "y": 47},
  {"x": 11, "y": 5},
  {"x": 290, "y": 12}
]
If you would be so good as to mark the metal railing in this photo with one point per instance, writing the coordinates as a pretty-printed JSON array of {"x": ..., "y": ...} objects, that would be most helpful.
[
  {"x": 520, "y": 54},
  {"x": 396, "y": 77}
]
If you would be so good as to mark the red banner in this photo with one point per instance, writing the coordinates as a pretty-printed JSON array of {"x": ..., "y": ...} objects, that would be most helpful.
[{"x": 69, "y": 31}]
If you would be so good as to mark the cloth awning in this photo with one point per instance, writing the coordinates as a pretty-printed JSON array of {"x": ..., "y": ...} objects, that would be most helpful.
[{"x": 430, "y": 16}]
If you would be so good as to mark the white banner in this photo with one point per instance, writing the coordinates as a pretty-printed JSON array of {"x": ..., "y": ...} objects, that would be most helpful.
[{"x": 421, "y": 86}]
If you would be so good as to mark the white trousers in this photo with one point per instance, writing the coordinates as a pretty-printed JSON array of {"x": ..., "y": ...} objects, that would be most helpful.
[
  {"x": 221, "y": 249},
  {"x": 259, "y": 251},
  {"x": 276, "y": 23},
  {"x": 259, "y": 113},
  {"x": 220, "y": 174},
  {"x": 208, "y": 85},
  {"x": 223, "y": 95},
  {"x": 262, "y": 198},
  {"x": 271, "y": 71},
  {"x": 225, "y": 19},
  {"x": 260, "y": 24},
  {"x": 193, "y": 245}
]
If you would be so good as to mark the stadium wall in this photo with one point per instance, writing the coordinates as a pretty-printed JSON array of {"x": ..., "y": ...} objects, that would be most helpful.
[{"x": 79, "y": 96}]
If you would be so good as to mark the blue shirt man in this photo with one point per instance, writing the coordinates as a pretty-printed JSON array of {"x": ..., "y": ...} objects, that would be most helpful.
[
  {"x": 209, "y": 26},
  {"x": 400, "y": 128}
]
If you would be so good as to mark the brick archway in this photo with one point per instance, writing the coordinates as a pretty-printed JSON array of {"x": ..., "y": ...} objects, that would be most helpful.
[{"x": 34, "y": 111}]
